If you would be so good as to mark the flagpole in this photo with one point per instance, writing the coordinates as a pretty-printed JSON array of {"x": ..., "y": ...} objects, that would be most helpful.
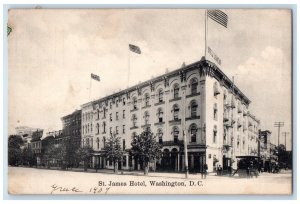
[
  {"x": 128, "y": 68},
  {"x": 90, "y": 87},
  {"x": 206, "y": 27}
]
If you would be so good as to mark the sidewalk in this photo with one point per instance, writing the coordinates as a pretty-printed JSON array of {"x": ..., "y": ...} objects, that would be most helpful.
[{"x": 136, "y": 173}]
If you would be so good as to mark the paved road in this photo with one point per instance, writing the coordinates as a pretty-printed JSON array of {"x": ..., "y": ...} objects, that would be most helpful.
[{"x": 42, "y": 181}]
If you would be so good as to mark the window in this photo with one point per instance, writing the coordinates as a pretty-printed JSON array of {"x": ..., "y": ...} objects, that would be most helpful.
[
  {"x": 215, "y": 134},
  {"x": 175, "y": 112},
  {"x": 83, "y": 128},
  {"x": 110, "y": 130},
  {"x": 243, "y": 144},
  {"x": 124, "y": 102},
  {"x": 104, "y": 112},
  {"x": 117, "y": 103},
  {"x": 123, "y": 114},
  {"x": 134, "y": 103},
  {"x": 147, "y": 100},
  {"x": 110, "y": 116},
  {"x": 117, "y": 130},
  {"x": 194, "y": 85},
  {"x": 146, "y": 117},
  {"x": 124, "y": 145},
  {"x": 193, "y": 130},
  {"x": 98, "y": 143},
  {"x": 98, "y": 129},
  {"x": 87, "y": 142},
  {"x": 133, "y": 135},
  {"x": 160, "y": 136},
  {"x": 98, "y": 114},
  {"x": 104, "y": 127},
  {"x": 176, "y": 91},
  {"x": 216, "y": 89},
  {"x": 123, "y": 128},
  {"x": 175, "y": 134},
  {"x": 88, "y": 127},
  {"x": 194, "y": 109},
  {"x": 117, "y": 116},
  {"x": 160, "y": 96},
  {"x": 92, "y": 142},
  {"x": 160, "y": 115},
  {"x": 110, "y": 105},
  {"x": 215, "y": 112},
  {"x": 91, "y": 127},
  {"x": 134, "y": 119},
  {"x": 104, "y": 141}
]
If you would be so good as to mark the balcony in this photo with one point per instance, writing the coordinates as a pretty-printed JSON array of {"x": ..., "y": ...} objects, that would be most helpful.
[
  {"x": 175, "y": 122},
  {"x": 175, "y": 99},
  {"x": 228, "y": 124},
  {"x": 173, "y": 143},
  {"x": 135, "y": 109},
  {"x": 134, "y": 127},
  {"x": 194, "y": 94},
  {"x": 148, "y": 106},
  {"x": 225, "y": 117},
  {"x": 216, "y": 91},
  {"x": 239, "y": 109},
  {"x": 146, "y": 125},
  {"x": 159, "y": 123},
  {"x": 193, "y": 117},
  {"x": 159, "y": 103}
]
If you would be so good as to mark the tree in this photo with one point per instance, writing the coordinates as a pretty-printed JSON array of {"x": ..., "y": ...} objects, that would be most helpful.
[
  {"x": 15, "y": 142},
  {"x": 84, "y": 154},
  {"x": 145, "y": 147},
  {"x": 28, "y": 157},
  {"x": 113, "y": 151}
]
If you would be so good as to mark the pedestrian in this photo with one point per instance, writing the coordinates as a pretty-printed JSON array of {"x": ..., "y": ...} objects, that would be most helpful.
[{"x": 205, "y": 170}]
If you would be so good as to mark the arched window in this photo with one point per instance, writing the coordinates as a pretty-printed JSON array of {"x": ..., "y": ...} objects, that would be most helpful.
[
  {"x": 134, "y": 120},
  {"x": 104, "y": 112},
  {"x": 194, "y": 84},
  {"x": 160, "y": 114},
  {"x": 194, "y": 107},
  {"x": 98, "y": 114},
  {"x": 146, "y": 117},
  {"x": 104, "y": 127},
  {"x": 134, "y": 102},
  {"x": 98, "y": 129},
  {"x": 193, "y": 131},
  {"x": 160, "y": 136},
  {"x": 98, "y": 143},
  {"x": 104, "y": 141},
  {"x": 215, "y": 131},
  {"x": 176, "y": 91},
  {"x": 215, "y": 112},
  {"x": 216, "y": 89},
  {"x": 87, "y": 142},
  {"x": 160, "y": 95},
  {"x": 175, "y": 134},
  {"x": 147, "y": 99},
  {"x": 176, "y": 112},
  {"x": 134, "y": 135}
]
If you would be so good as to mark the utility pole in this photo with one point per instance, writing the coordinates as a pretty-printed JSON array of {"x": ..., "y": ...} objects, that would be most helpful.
[
  {"x": 285, "y": 134},
  {"x": 278, "y": 124}
]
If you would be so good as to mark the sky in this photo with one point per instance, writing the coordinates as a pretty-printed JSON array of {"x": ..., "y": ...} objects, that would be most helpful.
[{"x": 53, "y": 52}]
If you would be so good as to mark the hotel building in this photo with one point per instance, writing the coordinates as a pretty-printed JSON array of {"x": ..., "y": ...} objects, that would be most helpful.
[{"x": 198, "y": 100}]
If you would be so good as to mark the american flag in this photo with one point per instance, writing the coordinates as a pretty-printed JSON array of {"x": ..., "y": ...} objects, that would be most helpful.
[
  {"x": 95, "y": 77},
  {"x": 135, "y": 49},
  {"x": 218, "y": 16}
]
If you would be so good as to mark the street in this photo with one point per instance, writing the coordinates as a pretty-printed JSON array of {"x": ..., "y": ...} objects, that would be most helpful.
[{"x": 43, "y": 181}]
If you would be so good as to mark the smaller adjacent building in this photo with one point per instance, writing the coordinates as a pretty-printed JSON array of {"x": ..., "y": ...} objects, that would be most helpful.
[
  {"x": 72, "y": 128},
  {"x": 267, "y": 150},
  {"x": 27, "y": 133}
]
